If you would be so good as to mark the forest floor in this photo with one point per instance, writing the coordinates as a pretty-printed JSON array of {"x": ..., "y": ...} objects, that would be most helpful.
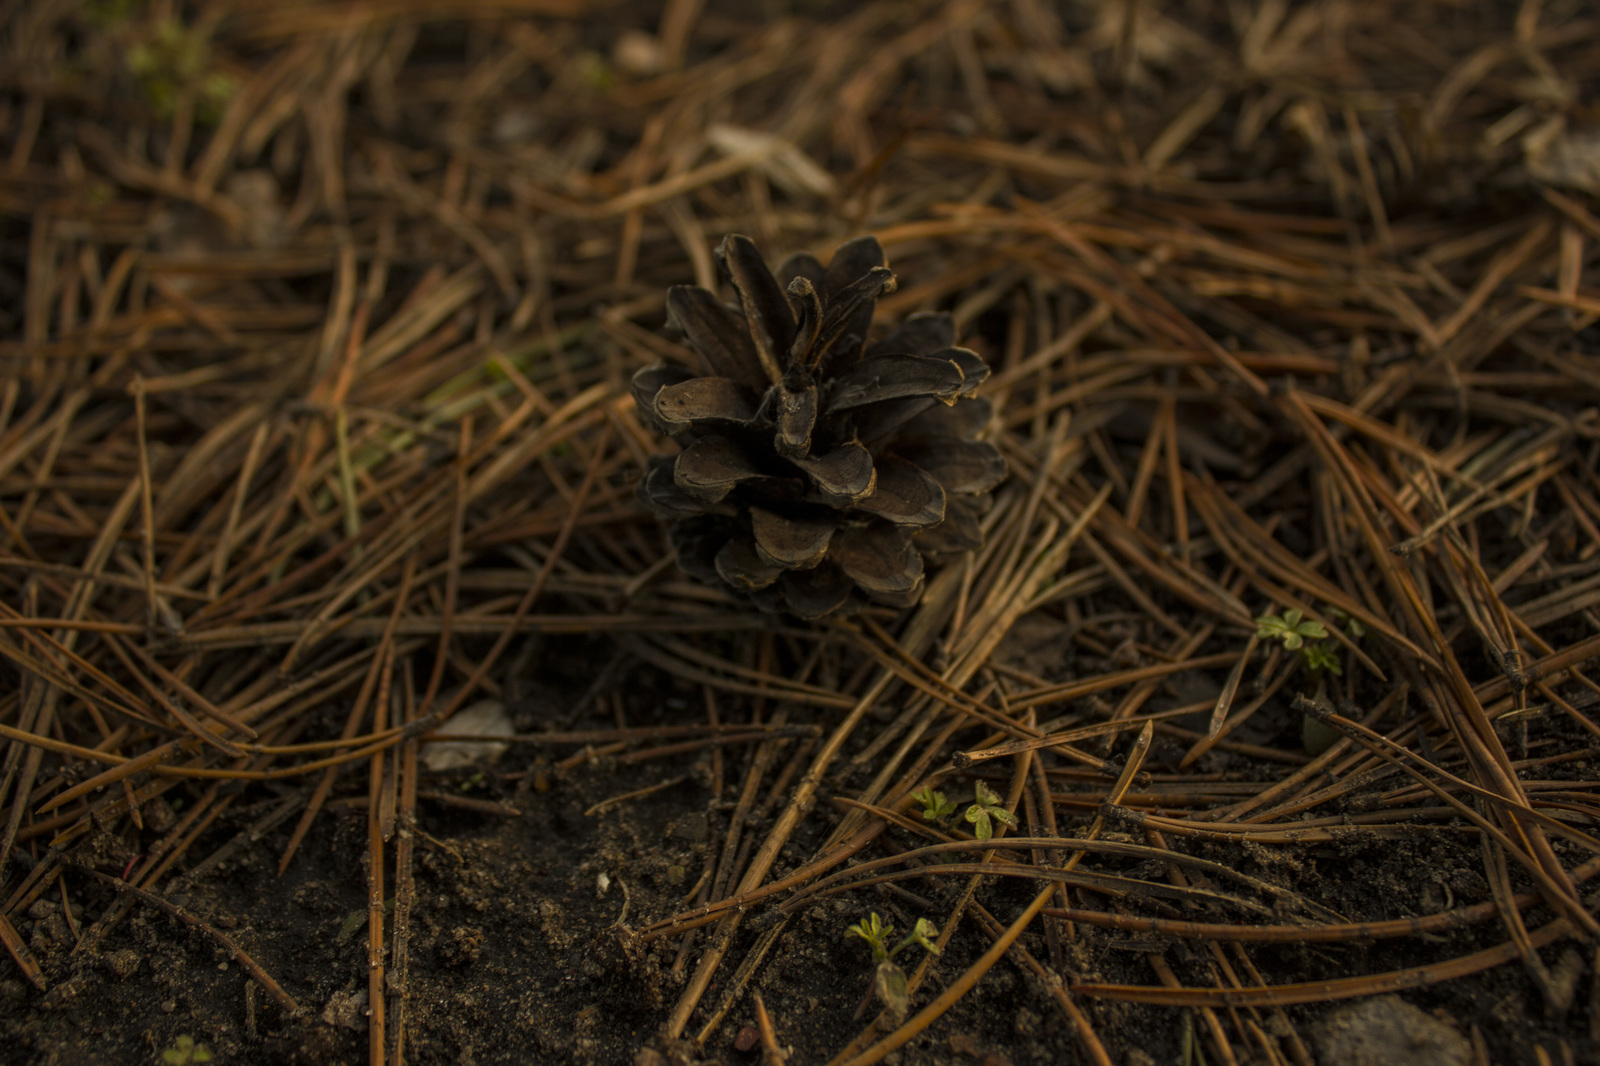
[{"x": 317, "y": 320}]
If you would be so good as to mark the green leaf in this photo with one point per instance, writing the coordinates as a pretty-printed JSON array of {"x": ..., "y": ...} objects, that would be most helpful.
[
  {"x": 922, "y": 934},
  {"x": 1271, "y": 627},
  {"x": 1318, "y": 657},
  {"x": 1292, "y": 629},
  {"x": 936, "y": 806},
  {"x": 875, "y": 931},
  {"x": 986, "y": 807}
]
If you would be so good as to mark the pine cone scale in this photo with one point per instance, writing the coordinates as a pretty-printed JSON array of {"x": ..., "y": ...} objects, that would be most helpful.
[
  {"x": 766, "y": 308},
  {"x": 959, "y": 532},
  {"x": 893, "y": 377},
  {"x": 879, "y": 422},
  {"x": 742, "y": 567},
  {"x": 718, "y": 333},
  {"x": 921, "y": 334},
  {"x": 905, "y": 494},
  {"x": 962, "y": 421},
  {"x": 844, "y": 474},
  {"x": 879, "y": 558},
  {"x": 974, "y": 370},
  {"x": 817, "y": 592},
  {"x": 965, "y": 467},
  {"x": 850, "y": 314},
  {"x": 792, "y": 543},
  {"x": 707, "y": 399},
  {"x": 710, "y": 467},
  {"x": 851, "y": 261},
  {"x": 661, "y": 492},
  {"x": 795, "y": 404},
  {"x": 647, "y": 385}
]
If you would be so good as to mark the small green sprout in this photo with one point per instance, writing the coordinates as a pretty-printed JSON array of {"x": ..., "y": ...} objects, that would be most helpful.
[
  {"x": 922, "y": 935},
  {"x": 1317, "y": 647},
  {"x": 889, "y": 982},
  {"x": 1351, "y": 626},
  {"x": 936, "y": 807},
  {"x": 876, "y": 932},
  {"x": 184, "y": 1050},
  {"x": 1320, "y": 656},
  {"x": 1289, "y": 628},
  {"x": 173, "y": 59},
  {"x": 986, "y": 810}
]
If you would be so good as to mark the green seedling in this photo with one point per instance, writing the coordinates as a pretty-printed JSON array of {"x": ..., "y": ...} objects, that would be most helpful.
[
  {"x": 1291, "y": 628},
  {"x": 889, "y": 982},
  {"x": 936, "y": 806},
  {"x": 1317, "y": 648},
  {"x": 1319, "y": 655},
  {"x": 184, "y": 1050},
  {"x": 173, "y": 60},
  {"x": 986, "y": 810},
  {"x": 876, "y": 932}
]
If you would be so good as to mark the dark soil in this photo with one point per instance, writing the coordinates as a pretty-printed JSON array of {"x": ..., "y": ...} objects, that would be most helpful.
[{"x": 516, "y": 955}]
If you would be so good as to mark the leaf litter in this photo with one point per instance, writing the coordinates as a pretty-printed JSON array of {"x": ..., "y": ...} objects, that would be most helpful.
[{"x": 316, "y": 429}]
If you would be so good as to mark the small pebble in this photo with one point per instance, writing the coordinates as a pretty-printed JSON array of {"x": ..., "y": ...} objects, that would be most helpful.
[
  {"x": 1387, "y": 1029},
  {"x": 121, "y": 964}
]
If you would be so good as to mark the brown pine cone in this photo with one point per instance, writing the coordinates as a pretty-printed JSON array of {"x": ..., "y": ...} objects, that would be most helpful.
[{"x": 816, "y": 469}]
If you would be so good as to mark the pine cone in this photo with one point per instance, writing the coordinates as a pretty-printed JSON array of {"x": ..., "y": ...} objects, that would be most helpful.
[{"x": 816, "y": 469}]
